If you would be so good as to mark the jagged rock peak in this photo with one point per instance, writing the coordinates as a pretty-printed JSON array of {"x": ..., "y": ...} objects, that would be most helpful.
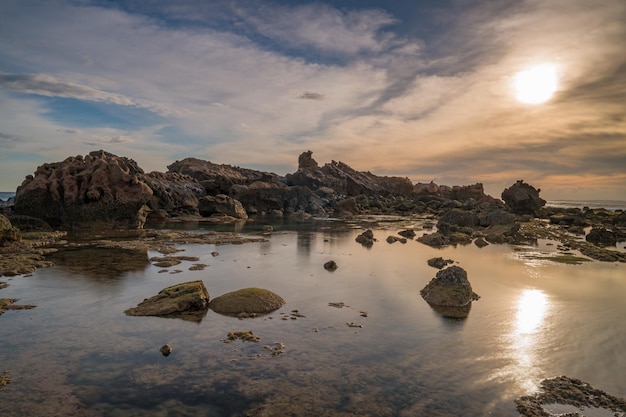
[{"x": 306, "y": 161}]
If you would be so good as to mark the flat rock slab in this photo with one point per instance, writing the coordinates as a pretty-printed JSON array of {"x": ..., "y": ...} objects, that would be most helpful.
[
  {"x": 568, "y": 391},
  {"x": 189, "y": 300},
  {"x": 247, "y": 302}
]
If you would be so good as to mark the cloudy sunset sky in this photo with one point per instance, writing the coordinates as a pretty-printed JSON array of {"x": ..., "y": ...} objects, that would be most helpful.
[{"x": 422, "y": 89}]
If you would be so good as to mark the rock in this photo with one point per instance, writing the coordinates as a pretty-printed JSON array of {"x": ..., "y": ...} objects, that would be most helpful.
[
  {"x": 569, "y": 391},
  {"x": 245, "y": 336},
  {"x": 366, "y": 238},
  {"x": 497, "y": 217},
  {"x": 394, "y": 239},
  {"x": 481, "y": 243},
  {"x": 219, "y": 179},
  {"x": 449, "y": 288},
  {"x": 344, "y": 180},
  {"x": 221, "y": 204},
  {"x": 247, "y": 302},
  {"x": 165, "y": 350},
  {"x": 409, "y": 234},
  {"x": 188, "y": 301},
  {"x": 29, "y": 224},
  {"x": 523, "y": 198},
  {"x": 439, "y": 262},
  {"x": 330, "y": 266},
  {"x": 100, "y": 190},
  {"x": 8, "y": 304},
  {"x": 174, "y": 194},
  {"x": 8, "y": 233},
  {"x": 434, "y": 239},
  {"x": 601, "y": 236}
]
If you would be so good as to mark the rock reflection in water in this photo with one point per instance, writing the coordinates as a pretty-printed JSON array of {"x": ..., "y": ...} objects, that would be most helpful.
[
  {"x": 100, "y": 263},
  {"x": 453, "y": 312}
]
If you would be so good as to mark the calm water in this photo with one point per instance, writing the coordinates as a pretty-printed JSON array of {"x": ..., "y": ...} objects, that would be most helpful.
[{"x": 77, "y": 354}]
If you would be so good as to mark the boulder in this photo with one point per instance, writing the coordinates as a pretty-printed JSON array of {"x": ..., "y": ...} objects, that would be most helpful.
[
  {"x": 8, "y": 233},
  {"x": 434, "y": 239},
  {"x": 449, "y": 288},
  {"x": 523, "y": 198},
  {"x": 222, "y": 205},
  {"x": 98, "y": 190},
  {"x": 330, "y": 266},
  {"x": 366, "y": 238},
  {"x": 439, "y": 262},
  {"x": 188, "y": 301},
  {"x": 247, "y": 302},
  {"x": 408, "y": 233},
  {"x": 601, "y": 236}
]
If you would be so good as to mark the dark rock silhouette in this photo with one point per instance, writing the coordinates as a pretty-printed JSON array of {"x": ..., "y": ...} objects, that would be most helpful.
[{"x": 523, "y": 198}]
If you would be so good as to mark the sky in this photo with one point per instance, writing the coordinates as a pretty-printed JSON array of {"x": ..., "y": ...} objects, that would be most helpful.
[{"x": 423, "y": 89}]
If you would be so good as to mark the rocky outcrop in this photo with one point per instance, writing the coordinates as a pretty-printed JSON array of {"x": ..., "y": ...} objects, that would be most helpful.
[
  {"x": 601, "y": 236},
  {"x": 449, "y": 288},
  {"x": 247, "y": 302},
  {"x": 220, "y": 178},
  {"x": 173, "y": 194},
  {"x": 344, "y": 180},
  {"x": 99, "y": 189},
  {"x": 188, "y": 301},
  {"x": 221, "y": 205},
  {"x": 569, "y": 391},
  {"x": 8, "y": 233},
  {"x": 523, "y": 198}
]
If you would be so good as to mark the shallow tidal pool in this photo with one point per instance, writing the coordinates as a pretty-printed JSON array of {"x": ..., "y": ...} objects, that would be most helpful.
[{"x": 78, "y": 354}]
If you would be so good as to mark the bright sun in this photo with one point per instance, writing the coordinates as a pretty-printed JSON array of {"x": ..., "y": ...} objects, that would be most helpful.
[{"x": 536, "y": 84}]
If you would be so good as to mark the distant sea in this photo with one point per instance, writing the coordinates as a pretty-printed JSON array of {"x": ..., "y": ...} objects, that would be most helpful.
[
  {"x": 592, "y": 204},
  {"x": 5, "y": 195}
]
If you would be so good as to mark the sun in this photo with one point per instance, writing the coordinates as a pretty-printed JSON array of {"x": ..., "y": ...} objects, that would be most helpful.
[{"x": 536, "y": 84}]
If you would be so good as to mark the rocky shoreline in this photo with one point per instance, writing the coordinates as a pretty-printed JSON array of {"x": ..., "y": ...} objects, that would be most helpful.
[{"x": 102, "y": 194}]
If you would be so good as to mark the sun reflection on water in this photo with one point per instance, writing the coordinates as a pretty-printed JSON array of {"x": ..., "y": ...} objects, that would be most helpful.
[{"x": 531, "y": 311}]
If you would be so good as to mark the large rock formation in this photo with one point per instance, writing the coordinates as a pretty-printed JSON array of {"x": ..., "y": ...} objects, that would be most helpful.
[
  {"x": 98, "y": 189},
  {"x": 344, "y": 180},
  {"x": 189, "y": 301},
  {"x": 220, "y": 178},
  {"x": 523, "y": 198}
]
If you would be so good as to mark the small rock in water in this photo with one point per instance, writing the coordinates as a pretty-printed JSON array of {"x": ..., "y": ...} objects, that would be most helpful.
[
  {"x": 353, "y": 324},
  {"x": 330, "y": 266},
  {"x": 166, "y": 350},
  {"x": 214, "y": 254}
]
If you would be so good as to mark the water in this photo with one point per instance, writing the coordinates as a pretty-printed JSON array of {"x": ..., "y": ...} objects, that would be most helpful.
[
  {"x": 5, "y": 195},
  {"x": 611, "y": 205},
  {"x": 77, "y": 354}
]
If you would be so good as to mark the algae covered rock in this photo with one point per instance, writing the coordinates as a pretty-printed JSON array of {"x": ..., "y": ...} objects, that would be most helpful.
[
  {"x": 449, "y": 288},
  {"x": 247, "y": 302},
  {"x": 188, "y": 301}
]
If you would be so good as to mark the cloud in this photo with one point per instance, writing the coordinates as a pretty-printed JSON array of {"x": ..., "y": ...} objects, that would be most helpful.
[
  {"x": 9, "y": 140},
  {"x": 46, "y": 85},
  {"x": 309, "y": 95},
  {"x": 322, "y": 27}
]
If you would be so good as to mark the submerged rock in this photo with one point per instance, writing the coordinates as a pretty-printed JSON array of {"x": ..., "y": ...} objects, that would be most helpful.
[
  {"x": 601, "y": 236},
  {"x": 247, "y": 302},
  {"x": 439, "y": 262},
  {"x": 449, "y": 288},
  {"x": 188, "y": 301},
  {"x": 568, "y": 391}
]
